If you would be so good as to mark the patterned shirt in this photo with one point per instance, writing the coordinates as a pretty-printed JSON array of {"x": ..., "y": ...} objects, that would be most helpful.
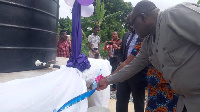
[
  {"x": 94, "y": 40},
  {"x": 137, "y": 47},
  {"x": 63, "y": 48},
  {"x": 113, "y": 51}
]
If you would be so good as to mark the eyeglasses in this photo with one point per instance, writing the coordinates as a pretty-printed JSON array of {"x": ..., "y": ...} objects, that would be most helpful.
[
  {"x": 143, "y": 13},
  {"x": 132, "y": 23}
]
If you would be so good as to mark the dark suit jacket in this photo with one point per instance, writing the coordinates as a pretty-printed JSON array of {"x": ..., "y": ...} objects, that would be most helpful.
[
  {"x": 140, "y": 76},
  {"x": 121, "y": 54}
]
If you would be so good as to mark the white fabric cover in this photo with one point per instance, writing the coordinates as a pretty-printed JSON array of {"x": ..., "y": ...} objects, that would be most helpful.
[
  {"x": 99, "y": 98},
  {"x": 50, "y": 91},
  {"x": 43, "y": 93}
]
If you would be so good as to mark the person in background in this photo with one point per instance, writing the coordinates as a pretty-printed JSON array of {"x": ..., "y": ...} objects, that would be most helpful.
[
  {"x": 136, "y": 84},
  {"x": 63, "y": 46},
  {"x": 94, "y": 43},
  {"x": 113, "y": 47}
]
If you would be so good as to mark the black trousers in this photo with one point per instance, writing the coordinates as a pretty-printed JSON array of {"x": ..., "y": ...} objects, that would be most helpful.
[
  {"x": 137, "y": 88},
  {"x": 113, "y": 63}
]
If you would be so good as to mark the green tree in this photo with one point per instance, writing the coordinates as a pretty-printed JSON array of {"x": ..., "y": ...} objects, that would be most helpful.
[
  {"x": 198, "y": 2},
  {"x": 65, "y": 24},
  {"x": 100, "y": 12},
  {"x": 118, "y": 9},
  {"x": 112, "y": 6}
]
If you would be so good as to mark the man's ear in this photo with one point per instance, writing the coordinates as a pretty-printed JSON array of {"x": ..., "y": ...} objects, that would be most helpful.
[{"x": 144, "y": 17}]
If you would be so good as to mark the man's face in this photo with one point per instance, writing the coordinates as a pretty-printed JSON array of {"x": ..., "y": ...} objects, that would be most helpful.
[
  {"x": 140, "y": 24},
  {"x": 64, "y": 36},
  {"x": 96, "y": 30},
  {"x": 114, "y": 35}
]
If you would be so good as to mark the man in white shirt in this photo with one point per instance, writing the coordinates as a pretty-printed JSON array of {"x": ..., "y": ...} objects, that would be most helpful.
[{"x": 94, "y": 43}]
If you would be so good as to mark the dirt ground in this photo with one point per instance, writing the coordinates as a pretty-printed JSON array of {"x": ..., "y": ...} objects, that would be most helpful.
[{"x": 112, "y": 104}]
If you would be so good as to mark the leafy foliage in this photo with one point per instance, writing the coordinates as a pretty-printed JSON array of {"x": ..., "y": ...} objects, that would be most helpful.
[
  {"x": 113, "y": 6},
  {"x": 85, "y": 48},
  {"x": 114, "y": 20},
  {"x": 198, "y": 2},
  {"x": 100, "y": 12},
  {"x": 65, "y": 24}
]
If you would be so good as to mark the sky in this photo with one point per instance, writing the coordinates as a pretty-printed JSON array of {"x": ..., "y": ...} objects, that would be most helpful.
[{"x": 65, "y": 10}]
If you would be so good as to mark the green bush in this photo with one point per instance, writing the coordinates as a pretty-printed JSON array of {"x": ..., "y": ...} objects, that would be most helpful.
[
  {"x": 85, "y": 48},
  {"x": 102, "y": 52}
]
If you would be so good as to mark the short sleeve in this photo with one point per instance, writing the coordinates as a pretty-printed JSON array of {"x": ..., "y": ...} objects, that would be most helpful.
[
  {"x": 137, "y": 47},
  {"x": 98, "y": 39},
  {"x": 134, "y": 52},
  {"x": 89, "y": 38}
]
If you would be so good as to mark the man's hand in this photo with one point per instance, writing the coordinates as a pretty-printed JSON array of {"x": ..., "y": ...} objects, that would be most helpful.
[
  {"x": 102, "y": 84},
  {"x": 110, "y": 55},
  {"x": 115, "y": 46},
  {"x": 106, "y": 43},
  {"x": 120, "y": 63},
  {"x": 96, "y": 52}
]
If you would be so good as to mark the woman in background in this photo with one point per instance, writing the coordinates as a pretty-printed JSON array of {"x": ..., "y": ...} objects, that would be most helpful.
[{"x": 113, "y": 48}]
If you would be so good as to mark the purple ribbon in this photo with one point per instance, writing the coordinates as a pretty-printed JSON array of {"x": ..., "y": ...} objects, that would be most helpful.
[
  {"x": 77, "y": 60},
  {"x": 81, "y": 62}
]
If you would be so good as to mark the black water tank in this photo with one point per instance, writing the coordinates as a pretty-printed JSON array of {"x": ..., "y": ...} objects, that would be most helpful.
[{"x": 28, "y": 32}]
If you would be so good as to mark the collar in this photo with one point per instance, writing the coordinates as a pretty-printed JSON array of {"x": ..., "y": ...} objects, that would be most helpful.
[{"x": 94, "y": 35}]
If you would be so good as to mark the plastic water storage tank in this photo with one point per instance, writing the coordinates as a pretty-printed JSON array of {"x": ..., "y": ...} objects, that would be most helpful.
[{"x": 28, "y": 32}]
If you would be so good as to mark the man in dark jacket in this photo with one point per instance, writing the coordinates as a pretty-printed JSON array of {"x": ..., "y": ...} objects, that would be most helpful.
[{"x": 136, "y": 84}]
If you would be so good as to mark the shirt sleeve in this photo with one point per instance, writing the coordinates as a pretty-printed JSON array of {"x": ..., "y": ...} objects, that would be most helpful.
[
  {"x": 184, "y": 20},
  {"x": 119, "y": 45},
  {"x": 105, "y": 48},
  {"x": 89, "y": 38},
  {"x": 138, "y": 63},
  {"x": 98, "y": 39}
]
